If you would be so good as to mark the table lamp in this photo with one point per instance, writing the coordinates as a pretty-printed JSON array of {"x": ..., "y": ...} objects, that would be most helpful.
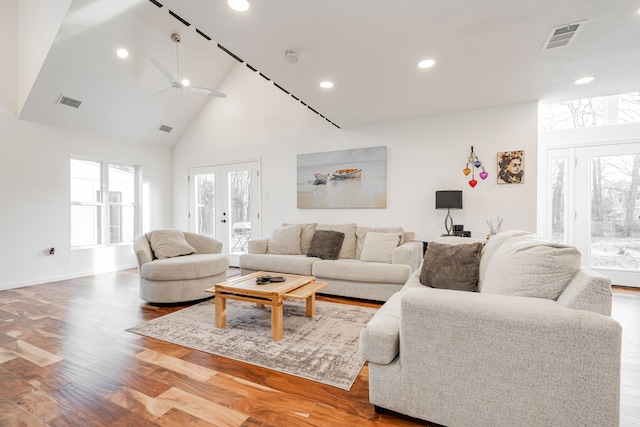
[{"x": 448, "y": 199}]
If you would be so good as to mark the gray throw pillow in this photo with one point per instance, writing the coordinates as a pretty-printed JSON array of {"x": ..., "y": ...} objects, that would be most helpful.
[
  {"x": 451, "y": 266},
  {"x": 326, "y": 244}
]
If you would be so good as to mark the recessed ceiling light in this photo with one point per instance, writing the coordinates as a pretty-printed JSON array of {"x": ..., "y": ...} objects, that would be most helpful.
[
  {"x": 122, "y": 53},
  {"x": 584, "y": 80},
  {"x": 326, "y": 85},
  {"x": 426, "y": 63},
  {"x": 239, "y": 5}
]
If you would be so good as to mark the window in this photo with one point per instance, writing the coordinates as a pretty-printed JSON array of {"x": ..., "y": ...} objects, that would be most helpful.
[{"x": 103, "y": 202}]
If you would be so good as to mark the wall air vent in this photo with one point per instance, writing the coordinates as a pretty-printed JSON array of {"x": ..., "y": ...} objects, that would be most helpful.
[
  {"x": 68, "y": 101},
  {"x": 562, "y": 36},
  {"x": 165, "y": 128}
]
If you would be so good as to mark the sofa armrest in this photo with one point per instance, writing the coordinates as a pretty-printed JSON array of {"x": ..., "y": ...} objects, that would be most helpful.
[
  {"x": 142, "y": 249},
  {"x": 409, "y": 253},
  {"x": 517, "y": 353},
  {"x": 380, "y": 338},
  {"x": 258, "y": 246},
  {"x": 203, "y": 244}
]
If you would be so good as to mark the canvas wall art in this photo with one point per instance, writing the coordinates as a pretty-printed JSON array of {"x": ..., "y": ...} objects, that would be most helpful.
[
  {"x": 511, "y": 167},
  {"x": 342, "y": 179}
]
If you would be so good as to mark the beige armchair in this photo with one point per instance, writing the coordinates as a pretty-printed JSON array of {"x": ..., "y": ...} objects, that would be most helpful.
[{"x": 176, "y": 266}]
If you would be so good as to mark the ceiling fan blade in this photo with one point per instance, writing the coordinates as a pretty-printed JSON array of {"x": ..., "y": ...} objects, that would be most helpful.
[
  {"x": 163, "y": 70},
  {"x": 157, "y": 91},
  {"x": 205, "y": 91}
]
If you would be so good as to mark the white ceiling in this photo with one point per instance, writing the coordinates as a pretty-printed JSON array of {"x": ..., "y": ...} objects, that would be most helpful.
[{"x": 487, "y": 54}]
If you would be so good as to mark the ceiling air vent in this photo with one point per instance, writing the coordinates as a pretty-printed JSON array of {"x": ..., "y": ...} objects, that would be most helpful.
[
  {"x": 69, "y": 101},
  {"x": 562, "y": 36},
  {"x": 165, "y": 128}
]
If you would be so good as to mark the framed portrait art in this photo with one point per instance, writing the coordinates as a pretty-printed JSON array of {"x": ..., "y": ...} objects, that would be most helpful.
[{"x": 511, "y": 167}]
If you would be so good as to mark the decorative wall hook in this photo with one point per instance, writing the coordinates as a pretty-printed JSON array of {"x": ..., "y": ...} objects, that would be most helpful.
[{"x": 475, "y": 164}]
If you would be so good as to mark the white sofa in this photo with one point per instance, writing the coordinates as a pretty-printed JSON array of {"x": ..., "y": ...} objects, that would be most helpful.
[
  {"x": 352, "y": 274},
  {"x": 179, "y": 267},
  {"x": 508, "y": 355}
]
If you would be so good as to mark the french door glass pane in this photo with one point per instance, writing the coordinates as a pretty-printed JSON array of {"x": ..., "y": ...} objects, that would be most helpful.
[
  {"x": 615, "y": 203},
  {"x": 559, "y": 199},
  {"x": 239, "y": 210},
  {"x": 205, "y": 204}
]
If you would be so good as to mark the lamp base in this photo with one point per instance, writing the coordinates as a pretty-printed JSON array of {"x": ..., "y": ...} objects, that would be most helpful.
[{"x": 448, "y": 222}]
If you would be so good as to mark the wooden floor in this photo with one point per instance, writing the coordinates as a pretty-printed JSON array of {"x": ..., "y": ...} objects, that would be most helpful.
[{"x": 66, "y": 360}]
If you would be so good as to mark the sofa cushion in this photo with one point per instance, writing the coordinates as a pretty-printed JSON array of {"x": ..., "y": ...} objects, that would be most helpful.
[
  {"x": 306, "y": 234},
  {"x": 361, "y": 235},
  {"x": 526, "y": 265},
  {"x": 285, "y": 240},
  {"x": 169, "y": 243},
  {"x": 490, "y": 248},
  {"x": 358, "y": 271},
  {"x": 451, "y": 266},
  {"x": 378, "y": 246},
  {"x": 326, "y": 244},
  {"x": 194, "y": 266},
  {"x": 292, "y": 264},
  {"x": 348, "y": 250}
]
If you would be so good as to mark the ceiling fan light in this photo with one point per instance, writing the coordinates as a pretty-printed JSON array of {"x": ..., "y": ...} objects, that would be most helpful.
[
  {"x": 238, "y": 5},
  {"x": 185, "y": 82}
]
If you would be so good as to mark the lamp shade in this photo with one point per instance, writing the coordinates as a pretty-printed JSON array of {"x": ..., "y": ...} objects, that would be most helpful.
[{"x": 449, "y": 199}]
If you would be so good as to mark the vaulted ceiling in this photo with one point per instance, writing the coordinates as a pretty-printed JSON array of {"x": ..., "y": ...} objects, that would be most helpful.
[{"x": 486, "y": 54}]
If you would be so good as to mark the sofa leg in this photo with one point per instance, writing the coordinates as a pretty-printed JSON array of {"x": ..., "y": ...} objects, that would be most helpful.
[{"x": 379, "y": 409}]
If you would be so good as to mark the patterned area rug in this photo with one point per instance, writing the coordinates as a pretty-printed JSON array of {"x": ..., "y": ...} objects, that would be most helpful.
[{"x": 323, "y": 348}]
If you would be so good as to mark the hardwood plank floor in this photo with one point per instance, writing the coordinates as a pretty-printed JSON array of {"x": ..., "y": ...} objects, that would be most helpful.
[{"x": 66, "y": 360}]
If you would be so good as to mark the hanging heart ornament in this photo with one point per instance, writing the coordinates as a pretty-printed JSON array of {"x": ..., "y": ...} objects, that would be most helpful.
[
  {"x": 473, "y": 183},
  {"x": 477, "y": 163},
  {"x": 466, "y": 171},
  {"x": 483, "y": 175}
]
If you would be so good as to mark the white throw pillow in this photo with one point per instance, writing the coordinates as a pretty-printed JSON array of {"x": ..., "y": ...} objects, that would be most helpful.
[
  {"x": 378, "y": 246},
  {"x": 169, "y": 243},
  {"x": 529, "y": 266},
  {"x": 285, "y": 240}
]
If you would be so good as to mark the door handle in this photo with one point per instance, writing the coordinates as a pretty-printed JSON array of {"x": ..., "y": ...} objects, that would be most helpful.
[{"x": 224, "y": 220}]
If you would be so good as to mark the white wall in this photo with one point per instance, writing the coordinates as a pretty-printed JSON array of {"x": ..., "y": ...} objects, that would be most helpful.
[
  {"x": 34, "y": 186},
  {"x": 425, "y": 154}
]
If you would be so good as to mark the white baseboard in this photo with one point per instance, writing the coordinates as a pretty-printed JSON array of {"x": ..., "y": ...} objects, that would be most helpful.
[{"x": 15, "y": 285}]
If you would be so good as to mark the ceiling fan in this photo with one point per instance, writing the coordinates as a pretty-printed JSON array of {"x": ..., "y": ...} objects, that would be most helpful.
[{"x": 174, "y": 82}]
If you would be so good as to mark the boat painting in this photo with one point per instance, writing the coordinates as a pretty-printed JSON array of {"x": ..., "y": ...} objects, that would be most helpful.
[{"x": 355, "y": 178}]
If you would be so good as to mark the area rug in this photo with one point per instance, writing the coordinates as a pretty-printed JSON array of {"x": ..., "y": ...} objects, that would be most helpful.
[{"x": 323, "y": 348}]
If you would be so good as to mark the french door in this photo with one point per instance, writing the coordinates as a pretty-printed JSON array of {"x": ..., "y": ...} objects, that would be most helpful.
[
  {"x": 594, "y": 203},
  {"x": 224, "y": 204}
]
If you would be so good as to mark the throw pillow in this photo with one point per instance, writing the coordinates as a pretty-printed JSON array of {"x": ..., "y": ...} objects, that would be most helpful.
[
  {"x": 451, "y": 266},
  {"x": 285, "y": 240},
  {"x": 378, "y": 246},
  {"x": 306, "y": 234},
  {"x": 528, "y": 266},
  {"x": 361, "y": 234},
  {"x": 326, "y": 244},
  {"x": 348, "y": 250},
  {"x": 169, "y": 243}
]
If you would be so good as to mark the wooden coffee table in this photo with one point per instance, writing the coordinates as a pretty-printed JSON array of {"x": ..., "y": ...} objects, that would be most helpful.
[{"x": 245, "y": 288}]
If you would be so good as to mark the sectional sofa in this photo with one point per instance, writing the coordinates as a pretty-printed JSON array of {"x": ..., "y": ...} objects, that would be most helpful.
[
  {"x": 372, "y": 262},
  {"x": 528, "y": 341}
]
